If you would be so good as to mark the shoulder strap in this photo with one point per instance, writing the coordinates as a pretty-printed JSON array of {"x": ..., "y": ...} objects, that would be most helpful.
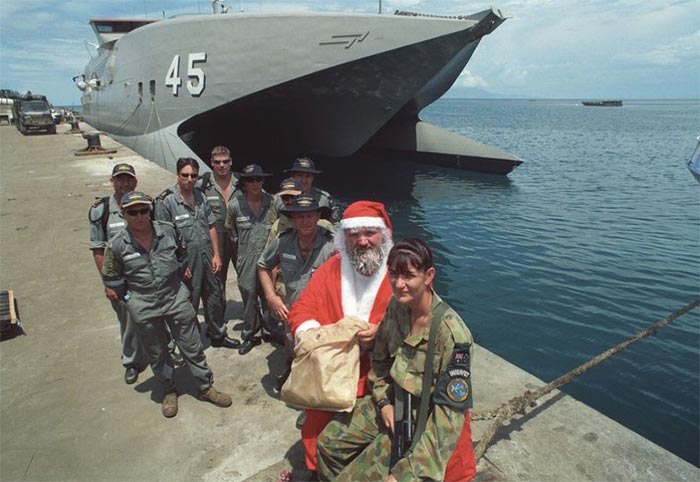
[
  {"x": 105, "y": 214},
  {"x": 428, "y": 372},
  {"x": 165, "y": 194},
  {"x": 206, "y": 181}
]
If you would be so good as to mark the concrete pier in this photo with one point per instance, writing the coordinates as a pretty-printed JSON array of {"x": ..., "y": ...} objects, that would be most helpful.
[{"x": 66, "y": 413}]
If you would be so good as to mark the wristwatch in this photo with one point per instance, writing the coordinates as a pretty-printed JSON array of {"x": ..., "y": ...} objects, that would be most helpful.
[{"x": 383, "y": 403}]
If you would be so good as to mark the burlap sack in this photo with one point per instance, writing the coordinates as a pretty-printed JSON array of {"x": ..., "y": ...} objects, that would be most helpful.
[{"x": 326, "y": 368}]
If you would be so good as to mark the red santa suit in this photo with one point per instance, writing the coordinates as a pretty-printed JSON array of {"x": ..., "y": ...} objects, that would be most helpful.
[{"x": 337, "y": 290}]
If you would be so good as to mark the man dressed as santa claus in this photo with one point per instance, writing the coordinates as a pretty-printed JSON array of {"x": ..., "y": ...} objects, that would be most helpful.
[{"x": 354, "y": 282}]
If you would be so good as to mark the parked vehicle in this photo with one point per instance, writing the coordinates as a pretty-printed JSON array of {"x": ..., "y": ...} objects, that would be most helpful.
[
  {"x": 6, "y": 110},
  {"x": 7, "y": 100},
  {"x": 35, "y": 115}
]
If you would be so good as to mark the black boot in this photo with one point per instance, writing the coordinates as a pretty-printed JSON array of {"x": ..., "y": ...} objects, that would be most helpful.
[
  {"x": 225, "y": 342},
  {"x": 248, "y": 344}
]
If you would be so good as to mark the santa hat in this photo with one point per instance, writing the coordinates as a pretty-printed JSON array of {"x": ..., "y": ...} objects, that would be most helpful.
[{"x": 365, "y": 214}]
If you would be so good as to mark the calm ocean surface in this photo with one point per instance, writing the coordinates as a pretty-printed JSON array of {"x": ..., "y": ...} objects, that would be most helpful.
[{"x": 595, "y": 237}]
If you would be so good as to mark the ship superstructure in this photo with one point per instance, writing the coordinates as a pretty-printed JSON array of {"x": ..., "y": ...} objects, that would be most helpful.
[{"x": 273, "y": 87}]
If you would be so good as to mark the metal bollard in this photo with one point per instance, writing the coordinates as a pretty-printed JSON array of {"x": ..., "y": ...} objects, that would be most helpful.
[{"x": 94, "y": 146}]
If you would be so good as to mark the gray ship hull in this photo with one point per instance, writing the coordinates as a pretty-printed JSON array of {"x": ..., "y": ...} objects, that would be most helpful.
[{"x": 275, "y": 87}]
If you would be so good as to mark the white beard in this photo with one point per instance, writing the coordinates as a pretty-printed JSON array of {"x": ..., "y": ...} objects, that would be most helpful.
[{"x": 359, "y": 290}]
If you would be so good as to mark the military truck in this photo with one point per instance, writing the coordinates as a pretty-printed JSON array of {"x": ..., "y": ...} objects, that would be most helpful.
[{"x": 34, "y": 114}]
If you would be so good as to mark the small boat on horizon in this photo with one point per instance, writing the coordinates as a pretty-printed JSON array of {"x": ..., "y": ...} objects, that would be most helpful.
[{"x": 602, "y": 103}]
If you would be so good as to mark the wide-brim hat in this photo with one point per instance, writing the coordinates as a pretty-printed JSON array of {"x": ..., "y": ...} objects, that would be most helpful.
[
  {"x": 303, "y": 203},
  {"x": 303, "y": 164},
  {"x": 253, "y": 170},
  {"x": 133, "y": 198}
]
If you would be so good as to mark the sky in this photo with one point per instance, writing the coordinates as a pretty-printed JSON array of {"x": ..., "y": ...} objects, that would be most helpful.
[{"x": 566, "y": 49}]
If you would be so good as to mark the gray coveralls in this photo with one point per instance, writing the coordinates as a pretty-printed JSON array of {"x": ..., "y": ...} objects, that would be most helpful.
[
  {"x": 155, "y": 297},
  {"x": 133, "y": 354},
  {"x": 193, "y": 224},
  {"x": 227, "y": 246},
  {"x": 251, "y": 231},
  {"x": 323, "y": 198},
  {"x": 296, "y": 271}
]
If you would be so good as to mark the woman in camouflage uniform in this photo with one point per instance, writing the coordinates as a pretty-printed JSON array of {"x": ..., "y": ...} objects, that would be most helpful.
[{"x": 357, "y": 446}]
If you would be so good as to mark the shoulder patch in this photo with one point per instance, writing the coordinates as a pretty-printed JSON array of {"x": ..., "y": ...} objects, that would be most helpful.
[{"x": 454, "y": 386}]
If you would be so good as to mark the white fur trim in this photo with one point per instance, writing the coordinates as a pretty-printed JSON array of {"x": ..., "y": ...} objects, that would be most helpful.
[{"x": 362, "y": 222}]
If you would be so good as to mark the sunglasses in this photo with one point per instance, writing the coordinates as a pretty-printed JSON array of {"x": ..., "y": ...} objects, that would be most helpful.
[
  {"x": 191, "y": 176},
  {"x": 137, "y": 212},
  {"x": 218, "y": 163}
]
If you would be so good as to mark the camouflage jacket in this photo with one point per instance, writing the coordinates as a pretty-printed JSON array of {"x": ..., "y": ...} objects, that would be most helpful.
[{"x": 399, "y": 357}]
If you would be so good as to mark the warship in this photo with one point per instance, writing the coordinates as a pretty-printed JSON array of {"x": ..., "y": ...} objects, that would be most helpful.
[{"x": 278, "y": 86}]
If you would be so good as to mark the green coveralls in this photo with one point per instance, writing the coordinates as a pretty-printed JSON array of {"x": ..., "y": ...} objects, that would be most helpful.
[
  {"x": 194, "y": 224},
  {"x": 227, "y": 246},
  {"x": 133, "y": 354},
  {"x": 357, "y": 446},
  {"x": 156, "y": 297},
  {"x": 251, "y": 231}
]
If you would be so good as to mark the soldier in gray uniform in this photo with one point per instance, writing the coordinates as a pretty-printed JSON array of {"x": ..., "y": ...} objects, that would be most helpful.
[
  {"x": 247, "y": 219},
  {"x": 189, "y": 211},
  {"x": 219, "y": 187},
  {"x": 298, "y": 251},
  {"x": 289, "y": 189},
  {"x": 105, "y": 221},
  {"x": 304, "y": 171},
  {"x": 144, "y": 265}
]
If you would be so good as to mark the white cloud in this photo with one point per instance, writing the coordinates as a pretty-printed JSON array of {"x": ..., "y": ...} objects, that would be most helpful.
[
  {"x": 682, "y": 49},
  {"x": 467, "y": 79}
]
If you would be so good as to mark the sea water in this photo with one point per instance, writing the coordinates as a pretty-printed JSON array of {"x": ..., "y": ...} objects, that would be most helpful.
[{"x": 593, "y": 238}]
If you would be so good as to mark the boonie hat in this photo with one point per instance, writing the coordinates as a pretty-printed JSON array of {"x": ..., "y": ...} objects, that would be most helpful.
[
  {"x": 303, "y": 203},
  {"x": 134, "y": 197},
  {"x": 304, "y": 164},
  {"x": 123, "y": 168},
  {"x": 253, "y": 170},
  {"x": 290, "y": 187}
]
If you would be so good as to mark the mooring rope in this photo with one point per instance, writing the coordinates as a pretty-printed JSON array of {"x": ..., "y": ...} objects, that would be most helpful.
[{"x": 518, "y": 405}]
